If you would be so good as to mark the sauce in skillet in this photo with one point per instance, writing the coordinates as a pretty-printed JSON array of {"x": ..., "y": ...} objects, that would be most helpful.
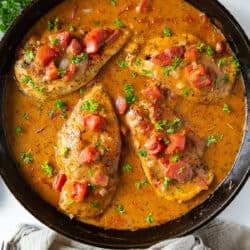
[{"x": 33, "y": 125}]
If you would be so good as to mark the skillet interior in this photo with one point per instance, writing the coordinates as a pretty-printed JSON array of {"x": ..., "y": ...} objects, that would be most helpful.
[{"x": 112, "y": 238}]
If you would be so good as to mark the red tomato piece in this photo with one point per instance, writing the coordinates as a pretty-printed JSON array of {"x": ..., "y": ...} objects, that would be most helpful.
[
  {"x": 166, "y": 57},
  {"x": 198, "y": 76},
  {"x": 177, "y": 142},
  {"x": 154, "y": 145},
  {"x": 101, "y": 179},
  {"x": 121, "y": 105},
  {"x": 71, "y": 70},
  {"x": 88, "y": 155},
  {"x": 79, "y": 191},
  {"x": 113, "y": 36},
  {"x": 93, "y": 122},
  {"x": 75, "y": 47},
  {"x": 95, "y": 39},
  {"x": 144, "y": 6},
  {"x": 191, "y": 54},
  {"x": 52, "y": 71},
  {"x": 180, "y": 171},
  {"x": 45, "y": 55},
  {"x": 59, "y": 182},
  {"x": 64, "y": 38},
  {"x": 153, "y": 93}
]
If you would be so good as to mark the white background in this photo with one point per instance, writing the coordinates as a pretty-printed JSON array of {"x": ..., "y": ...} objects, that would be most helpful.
[{"x": 12, "y": 213}]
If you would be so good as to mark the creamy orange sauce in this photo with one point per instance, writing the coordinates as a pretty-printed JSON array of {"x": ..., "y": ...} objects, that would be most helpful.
[{"x": 39, "y": 131}]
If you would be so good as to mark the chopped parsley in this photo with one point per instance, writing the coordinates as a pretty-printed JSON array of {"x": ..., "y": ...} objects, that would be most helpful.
[
  {"x": 167, "y": 32},
  {"x": 78, "y": 59},
  {"x": 94, "y": 204},
  {"x": 138, "y": 62},
  {"x": 129, "y": 90},
  {"x": 182, "y": 170},
  {"x": 226, "y": 108},
  {"x": 209, "y": 51},
  {"x": 27, "y": 157},
  {"x": 176, "y": 62},
  {"x": 53, "y": 24},
  {"x": 211, "y": 140},
  {"x": 48, "y": 170},
  {"x": 120, "y": 209},
  {"x": 63, "y": 116},
  {"x": 175, "y": 158},
  {"x": 105, "y": 149},
  {"x": 236, "y": 63},
  {"x": 142, "y": 153},
  {"x": 71, "y": 28},
  {"x": 119, "y": 23},
  {"x": 161, "y": 124},
  {"x": 18, "y": 130},
  {"x": 133, "y": 74},
  {"x": 201, "y": 47},
  {"x": 25, "y": 116},
  {"x": 166, "y": 141},
  {"x": 59, "y": 104},
  {"x": 122, "y": 64},
  {"x": 81, "y": 91},
  {"x": 127, "y": 168},
  {"x": 221, "y": 62},
  {"x": 186, "y": 92},
  {"x": 91, "y": 174},
  {"x": 98, "y": 23},
  {"x": 70, "y": 202},
  {"x": 140, "y": 184},
  {"x": 226, "y": 78},
  {"x": 28, "y": 54},
  {"x": 166, "y": 182},
  {"x": 150, "y": 218},
  {"x": 54, "y": 41},
  {"x": 90, "y": 105},
  {"x": 27, "y": 79},
  {"x": 61, "y": 72},
  {"x": 146, "y": 72},
  {"x": 113, "y": 2}
]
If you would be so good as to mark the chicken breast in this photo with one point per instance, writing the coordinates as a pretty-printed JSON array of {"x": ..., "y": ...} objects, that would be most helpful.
[
  {"x": 171, "y": 153},
  {"x": 88, "y": 151},
  {"x": 58, "y": 63},
  {"x": 185, "y": 65}
]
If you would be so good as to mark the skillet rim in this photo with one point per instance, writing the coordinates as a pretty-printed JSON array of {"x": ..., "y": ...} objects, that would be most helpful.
[{"x": 116, "y": 238}]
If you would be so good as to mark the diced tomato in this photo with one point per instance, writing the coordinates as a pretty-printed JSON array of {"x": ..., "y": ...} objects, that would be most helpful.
[
  {"x": 52, "y": 71},
  {"x": 71, "y": 70},
  {"x": 95, "y": 39},
  {"x": 180, "y": 171},
  {"x": 191, "y": 54},
  {"x": 121, "y": 105},
  {"x": 75, "y": 48},
  {"x": 88, "y": 155},
  {"x": 198, "y": 76},
  {"x": 144, "y": 6},
  {"x": 177, "y": 142},
  {"x": 153, "y": 93},
  {"x": 45, "y": 55},
  {"x": 154, "y": 145},
  {"x": 64, "y": 38},
  {"x": 93, "y": 122},
  {"x": 59, "y": 182},
  {"x": 113, "y": 36},
  {"x": 166, "y": 57},
  {"x": 79, "y": 191},
  {"x": 101, "y": 179}
]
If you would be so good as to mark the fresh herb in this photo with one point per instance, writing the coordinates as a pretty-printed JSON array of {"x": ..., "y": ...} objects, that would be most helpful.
[
  {"x": 176, "y": 123},
  {"x": 161, "y": 124},
  {"x": 94, "y": 204},
  {"x": 182, "y": 170},
  {"x": 63, "y": 116},
  {"x": 186, "y": 92},
  {"x": 61, "y": 72},
  {"x": 28, "y": 54},
  {"x": 120, "y": 209},
  {"x": 54, "y": 41},
  {"x": 167, "y": 32},
  {"x": 217, "y": 80},
  {"x": 176, "y": 62},
  {"x": 201, "y": 47},
  {"x": 78, "y": 59},
  {"x": 209, "y": 51},
  {"x": 53, "y": 24},
  {"x": 81, "y": 91},
  {"x": 211, "y": 140},
  {"x": 226, "y": 78},
  {"x": 27, "y": 157},
  {"x": 138, "y": 62},
  {"x": 27, "y": 79},
  {"x": 140, "y": 184},
  {"x": 127, "y": 168},
  {"x": 129, "y": 90},
  {"x": 221, "y": 62},
  {"x": 9, "y": 10},
  {"x": 146, "y": 72},
  {"x": 133, "y": 74},
  {"x": 166, "y": 182},
  {"x": 90, "y": 105},
  {"x": 166, "y": 141},
  {"x": 71, "y": 28},
  {"x": 220, "y": 136},
  {"x": 236, "y": 63},
  {"x": 48, "y": 170},
  {"x": 91, "y": 173},
  {"x": 52, "y": 114},
  {"x": 122, "y": 64},
  {"x": 25, "y": 116},
  {"x": 65, "y": 152},
  {"x": 142, "y": 153},
  {"x": 175, "y": 158},
  {"x": 119, "y": 23},
  {"x": 113, "y": 2},
  {"x": 105, "y": 149},
  {"x": 226, "y": 108},
  {"x": 150, "y": 218},
  {"x": 18, "y": 130},
  {"x": 70, "y": 202},
  {"x": 98, "y": 23},
  {"x": 60, "y": 105}
]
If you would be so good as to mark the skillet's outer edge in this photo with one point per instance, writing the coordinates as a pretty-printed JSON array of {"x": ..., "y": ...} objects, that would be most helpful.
[{"x": 113, "y": 238}]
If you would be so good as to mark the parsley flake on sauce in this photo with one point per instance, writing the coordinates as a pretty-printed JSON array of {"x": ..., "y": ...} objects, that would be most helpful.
[
  {"x": 122, "y": 64},
  {"x": 25, "y": 116},
  {"x": 176, "y": 62},
  {"x": 149, "y": 218},
  {"x": 61, "y": 105},
  {"x": 53, "y": 24},
  {"x": 211, "y": 140},
  {"x": 167, "y": 32},
  {"x": 94, "y": 204},
  {"x": 120, "y": 209},
  {"x": 166, "y": 182},
  {"x": 226, "y": 108},
  {"x": 142, "y": 153},
  {"x": 18, "y": 130},
  {"x": 113, "y": 2},
  {"x": 27, "y": 157},
  {"x": 127, "y": 168},
  {"x": 186, "y": 92},
  {"x": 129, "y": 90},
  {"x": 119, "y": 23},
  {"x": 48, "y": 170},
  {"x": 90, "y": 105}
]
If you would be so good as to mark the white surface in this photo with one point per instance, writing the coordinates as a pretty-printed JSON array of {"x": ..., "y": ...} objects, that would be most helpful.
[{"x": 12, "y": 213}]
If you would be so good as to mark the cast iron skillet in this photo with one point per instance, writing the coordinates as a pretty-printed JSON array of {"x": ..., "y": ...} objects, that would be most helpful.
[{"x": 113, "y": 238}]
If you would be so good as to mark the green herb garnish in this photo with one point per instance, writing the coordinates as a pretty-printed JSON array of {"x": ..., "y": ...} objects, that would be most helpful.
[
  {"x": 186, "y": 92},
  {"x": 122, "y": 64},
  {"x": 27, "y": 157},
  {"x": 25, "y": 116},
  {"x": 142, "y": 153},
  {"x": 167, "y": 32},
  {"x": 119, "y": 23},
  {"x": 209, "y": 51},
  {"x": 94, "y": 204},
  {"x": 129, "y": 90},
  {"x": 18, "y": 130},
  {"x": 113, "y": 2},
  {"x": 78, "y": 59},
  {"x": 166, "y": 182},
  {"x": 120, "y": 209},
  {"x": 90, "y": 105},
  {"x": 226, "y": 108},
  {"x": 127, "y": 168},
  {"x": 211, "y": 140},
  {"x": 61, "y": 105},
  {"x": 150, "y": 218},
  {"x": 221, "y": 62},
  {"x": 48, "y": 170}
]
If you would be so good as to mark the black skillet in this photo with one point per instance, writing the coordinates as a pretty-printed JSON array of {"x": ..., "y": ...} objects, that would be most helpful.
[{"x": 113, "y": 238}]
